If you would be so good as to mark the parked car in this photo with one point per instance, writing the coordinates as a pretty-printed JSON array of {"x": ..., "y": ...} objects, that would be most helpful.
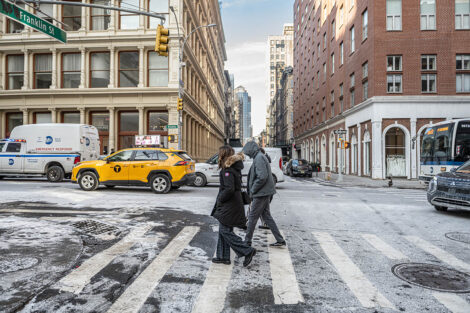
[
  {"x": 299, "y": 168},
  {"x": 159, "y": 169},
  {"x": 48, "y": 149},
  {"x": 451, "y": 189},
  {"x": 208, "y": 172}
]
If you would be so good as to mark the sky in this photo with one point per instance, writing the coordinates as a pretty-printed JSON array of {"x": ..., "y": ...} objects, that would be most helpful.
[{"x": 247, "y": 25}]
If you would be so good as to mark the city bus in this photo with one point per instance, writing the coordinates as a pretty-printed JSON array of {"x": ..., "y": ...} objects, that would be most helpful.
[{"x": 445, "y": 146}]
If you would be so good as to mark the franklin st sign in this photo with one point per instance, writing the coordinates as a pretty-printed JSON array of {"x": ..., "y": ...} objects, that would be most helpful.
[{"x": 31, "y": 20}]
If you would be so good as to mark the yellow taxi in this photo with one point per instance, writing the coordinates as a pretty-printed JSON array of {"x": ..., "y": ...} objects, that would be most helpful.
[{"x": 160, "y": 169}]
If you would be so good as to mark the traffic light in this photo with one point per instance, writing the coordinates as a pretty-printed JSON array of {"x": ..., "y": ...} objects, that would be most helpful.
[
  {"x": 346, "y": 144},
  {"x": 161, "y": 42},
  {"x": 180, "y": 104},
  {"x": 172, "y": 138}
]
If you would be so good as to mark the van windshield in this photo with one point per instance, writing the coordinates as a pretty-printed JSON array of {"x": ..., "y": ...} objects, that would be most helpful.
[{"x": 2, "y": 144}]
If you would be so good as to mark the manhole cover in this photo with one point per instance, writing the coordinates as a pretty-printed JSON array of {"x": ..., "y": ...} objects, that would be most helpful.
[
  {"x": 458, "y": 236},
  {"x": 93, "y": 227},
  {"x": 433, "y": 277},
  {"x": 17, "y": 264}
]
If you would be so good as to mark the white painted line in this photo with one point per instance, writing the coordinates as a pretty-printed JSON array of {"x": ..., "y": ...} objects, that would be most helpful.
[
  {"x": 80, "y": 277},
  {"x": 442, "y": 255},
  {"x": 38, "y": 211},
  {"x": 359, "y": 285},
  {"x": 285, "y": 286},
  {"x": 137, "y": 293},
  {"x": 214, "y": 290},
  {"x": 384, "y": 247},
  {"x": 452, "y": 302}
]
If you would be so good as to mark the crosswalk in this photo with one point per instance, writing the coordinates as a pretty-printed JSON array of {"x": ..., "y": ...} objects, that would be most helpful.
[{"x": 287, "y": 285}]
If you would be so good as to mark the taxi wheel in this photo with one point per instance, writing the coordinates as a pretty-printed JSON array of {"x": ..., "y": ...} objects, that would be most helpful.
[
  {"x": 55, "y": 174},
  {"x": 88, "y": 181},
  {"x": 200, "y": 180},
  {"x": 160, "y": 183}
]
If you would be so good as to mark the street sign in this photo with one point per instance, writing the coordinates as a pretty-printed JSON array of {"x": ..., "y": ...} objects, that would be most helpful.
[
  {"x": 171, "y": 126},
  {"x": 340, "y": 132},
  {"x": 31, "y": 20}
]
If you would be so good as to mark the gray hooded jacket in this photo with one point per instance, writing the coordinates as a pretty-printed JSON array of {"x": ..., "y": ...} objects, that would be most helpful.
[{"x": 260, "y": 179}]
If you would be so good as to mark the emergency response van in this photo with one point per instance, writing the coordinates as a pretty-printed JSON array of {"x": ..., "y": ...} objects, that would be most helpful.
[{"x": 48, "y": 149}]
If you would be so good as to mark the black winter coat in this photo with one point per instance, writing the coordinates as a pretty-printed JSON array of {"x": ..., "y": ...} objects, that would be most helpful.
[{"x": 229, "y": 209}]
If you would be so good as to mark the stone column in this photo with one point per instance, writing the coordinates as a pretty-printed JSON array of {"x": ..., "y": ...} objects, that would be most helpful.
[
  {"x": 111, "y": 66},
  {"x": 53, "y": 115},
  {"x": 414, "y": 155},
  {"x": 3, "y": 130},
  {"x": 25, "y": 116},
  {"x": 54, "y": 69},
  {"x": 2, "y": 70},
  {"x": 26, "y": 69},
  {"x": 84, "y": 18},
  {"x": 111, "y": 129},
  {"x": 141, "y": 120},
  {"x": 141, "y": 66},
  {"x": 359, "y": 150},
  {"x": 82, "y": 68},
  {"x": 112, "y": 19},
  {"x": 142, "y": 17},
  {"x": 377, "y": 153},
  {"x": 82, "y": 115}
]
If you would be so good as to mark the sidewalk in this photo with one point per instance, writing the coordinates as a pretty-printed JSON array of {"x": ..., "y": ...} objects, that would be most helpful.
[{"x": 350, "y": 180}]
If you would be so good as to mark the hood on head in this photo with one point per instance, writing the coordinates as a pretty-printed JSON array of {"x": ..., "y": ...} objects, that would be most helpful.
[
  {"x": 239, "y": 157},
  {"x": 251, "y": 149}
]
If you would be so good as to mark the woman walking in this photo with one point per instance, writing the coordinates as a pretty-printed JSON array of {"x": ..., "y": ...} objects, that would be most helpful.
[{"x": 229, "y": 209}]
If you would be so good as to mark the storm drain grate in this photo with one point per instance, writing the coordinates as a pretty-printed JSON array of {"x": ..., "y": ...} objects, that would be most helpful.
[
  {"x": 8, "y": 265},
  {"x": 93, "y": 227},
  {"x": 458, "y": 236},
  {"x": 433, "y": 277}
]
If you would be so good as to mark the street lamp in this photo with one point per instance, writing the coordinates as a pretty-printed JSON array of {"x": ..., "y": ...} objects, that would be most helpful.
[{"x": 180, "y": 67}]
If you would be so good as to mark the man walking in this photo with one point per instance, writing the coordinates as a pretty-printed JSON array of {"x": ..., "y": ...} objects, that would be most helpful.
[{"x": 260, "y": 186}]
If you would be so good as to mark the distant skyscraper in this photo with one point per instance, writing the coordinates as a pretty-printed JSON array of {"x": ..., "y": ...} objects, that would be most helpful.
[{"x": 244, "y": 106}]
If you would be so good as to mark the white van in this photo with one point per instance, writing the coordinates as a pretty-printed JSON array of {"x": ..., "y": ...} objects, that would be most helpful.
[
  {"x": 48, "y": 149},
  {"x": 208, "y": 172}
]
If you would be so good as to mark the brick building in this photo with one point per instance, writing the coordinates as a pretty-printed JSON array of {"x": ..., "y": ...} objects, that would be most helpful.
[{"x": 382, "y": 70}]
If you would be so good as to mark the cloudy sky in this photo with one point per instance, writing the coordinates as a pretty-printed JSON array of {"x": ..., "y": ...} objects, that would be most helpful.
[{"x": 247, "y": 25}]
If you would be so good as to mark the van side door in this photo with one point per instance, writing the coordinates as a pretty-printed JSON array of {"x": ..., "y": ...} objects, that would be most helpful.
[{"x": 11, "y": 159}]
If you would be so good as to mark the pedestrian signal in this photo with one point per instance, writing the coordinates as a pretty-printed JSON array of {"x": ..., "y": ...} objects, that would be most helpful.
[
  {"x": 161, "y": 42},
  {"x": 172, "y": 138},
  {"x": 180, "y": 104}
]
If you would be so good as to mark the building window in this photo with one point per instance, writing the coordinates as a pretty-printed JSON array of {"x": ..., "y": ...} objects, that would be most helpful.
[
  {"x": 128, "y": 69},
  {"x": 353, "y": 80},
  {"x": 353, "y": 98},
  {"x": 46, "y": 12},
  {"x": 42, "y": 117},
  {"x": 463, "y": 62},
  {"x": 71, "y": 64},
  {"x": 365, "y": 70},
  {"x": 15, "y": 74},
  {"x": 158, "y": 6},
  {"x": 324, "y": 71},
  {"x": 319, "y": 50},
  {"x": 428, "y": 14},
  {"x": 394, "y": 83},
  {"x": 71, "y": 117},
  {"x": 393, "y": 15},
  {"x": 100, "y": 18},
  {"x": 352, "y": 37},
  {"x": 14, "y": 27},
  {"x": 428, "y": 63},
  {"x": 158, "y": 70},
  {"x": 333, "y": 29},
  {"x": 428, "y": 83},
  {"x": 394, "y": 63},
  {"x": 351, "y": 4},
  {"x": 332, "y": 102},
  {"x": 99, "y": 69},
  {"x": 101, "y": 121},
  {"x": 365, "y": 24},
  {"x": 129, "y": 20},
  {"x": 158, "y": 122},
  {"x": 332, "y": 63},
  {"x": 341, "y": 16},
  {"x": 72, "y": 17},
  {"x": 365, "y": 90},
  {"x": 324, "y": 41},
  {"x": 463, "y": 83},
  {"x": 13, "y": 120},
  {"x": 352, "y": 84},
  {"x": 42, "y": 71},
  {"x": 341, "y": 53},
  {"x": 341, "y": 100},
  {"x": 462, "y": 14}
]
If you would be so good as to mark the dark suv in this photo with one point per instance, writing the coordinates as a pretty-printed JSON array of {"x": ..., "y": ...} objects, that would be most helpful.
[{"x": 299, "y": 168}]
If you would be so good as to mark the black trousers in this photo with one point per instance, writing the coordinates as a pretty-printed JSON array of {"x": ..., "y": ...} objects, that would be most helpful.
[{"x": 227, "y": 240}]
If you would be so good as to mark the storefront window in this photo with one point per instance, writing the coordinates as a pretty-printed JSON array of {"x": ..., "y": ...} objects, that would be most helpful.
[
  {"x": 71, "y": 117},
  {"x": 100, "y": 121},
  {"x": 129, "y": 121},
  {"x": 158, "y": 121},
  {"x": 13, "y": 120},
  {"x": 41, "y": 118}
]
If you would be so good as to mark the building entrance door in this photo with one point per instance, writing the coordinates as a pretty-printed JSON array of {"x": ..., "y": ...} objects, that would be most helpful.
[{"x": 395, "y": 156}]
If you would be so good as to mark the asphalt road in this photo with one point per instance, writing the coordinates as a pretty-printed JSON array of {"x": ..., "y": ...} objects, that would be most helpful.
[{"x": 129, "y": 250}]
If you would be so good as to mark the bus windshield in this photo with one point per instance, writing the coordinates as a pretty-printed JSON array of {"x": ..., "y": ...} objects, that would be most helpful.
[
  {"x": 462, "y": 142},
  {"x": 437, "y": 144}
]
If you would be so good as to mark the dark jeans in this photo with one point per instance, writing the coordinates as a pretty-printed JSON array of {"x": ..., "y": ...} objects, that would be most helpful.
[
  {"x": 227, "y": 240},
  {"x": 260, "y": 208}
]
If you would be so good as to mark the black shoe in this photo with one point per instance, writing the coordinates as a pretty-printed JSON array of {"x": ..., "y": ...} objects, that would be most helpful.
[
  {"x": 278, "y": 244},
  {"x": 264, "y": 226},
  {"x": 220, "y": 261},
  {"x": 249, "y": 257}
]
